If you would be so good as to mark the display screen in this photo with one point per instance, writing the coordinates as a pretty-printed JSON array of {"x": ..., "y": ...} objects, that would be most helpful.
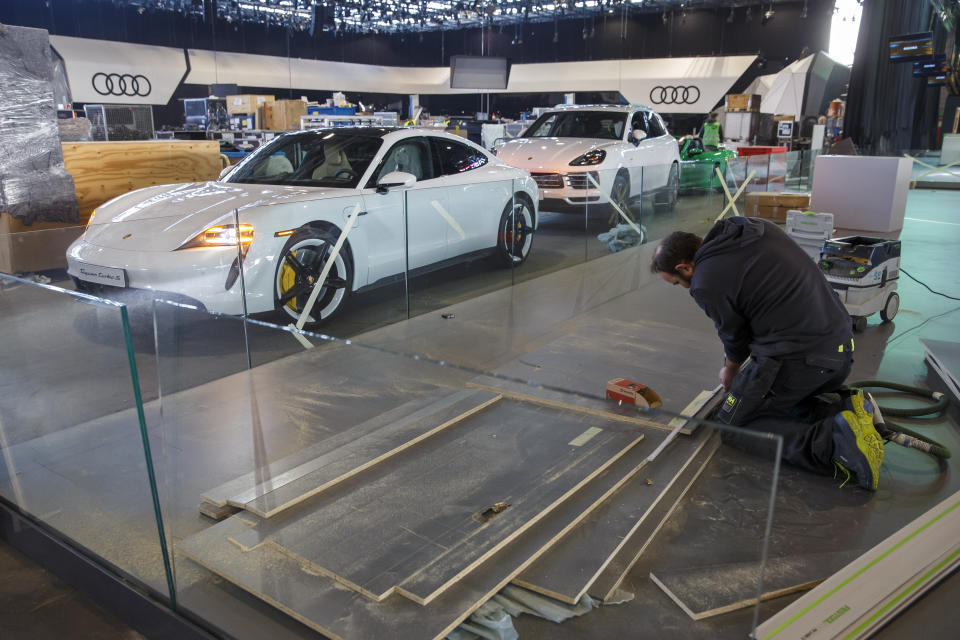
[
  {"x": 915, "y": 46},
  {"x": 935, "y": 67},
  {"x": 478, "y": 72}
]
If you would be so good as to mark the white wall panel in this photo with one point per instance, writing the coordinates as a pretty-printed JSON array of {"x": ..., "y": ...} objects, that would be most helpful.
[{"x": 103, "y": 71}]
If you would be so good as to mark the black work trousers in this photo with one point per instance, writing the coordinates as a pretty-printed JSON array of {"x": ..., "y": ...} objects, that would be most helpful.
[{"x": 779, "y": 396}]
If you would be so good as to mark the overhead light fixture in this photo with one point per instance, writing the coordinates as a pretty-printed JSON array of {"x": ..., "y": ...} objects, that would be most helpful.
[
  {"x": 730, "y": 17},
  {"x": 803, "y": 11},
  {"x": 749, "y": 15}
]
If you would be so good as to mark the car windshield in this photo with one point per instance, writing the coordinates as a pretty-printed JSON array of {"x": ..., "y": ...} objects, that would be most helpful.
[
  {"x": 578, "y": 124},
  {"x": 313, "y": 159}
]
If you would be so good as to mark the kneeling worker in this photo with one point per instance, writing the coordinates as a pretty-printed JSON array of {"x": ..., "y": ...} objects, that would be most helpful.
[{"x": 770, "y": 302}]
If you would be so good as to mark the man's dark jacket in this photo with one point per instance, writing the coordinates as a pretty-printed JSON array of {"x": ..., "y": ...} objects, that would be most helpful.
[{"x": 764, "y": 294}]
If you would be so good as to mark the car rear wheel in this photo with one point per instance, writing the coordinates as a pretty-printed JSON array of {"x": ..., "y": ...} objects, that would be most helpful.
[
  {"x": 666, "y": 200},
  {"x": 515, "y": 233},
  {"x": 300, "y": 265}
]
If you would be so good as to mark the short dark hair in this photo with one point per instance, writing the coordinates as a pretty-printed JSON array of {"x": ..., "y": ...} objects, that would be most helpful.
[{"x": 677, "y": 247}]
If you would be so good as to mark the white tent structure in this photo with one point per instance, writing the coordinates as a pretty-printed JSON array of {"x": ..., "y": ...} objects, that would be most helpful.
[{"x": 801, "y": 87}]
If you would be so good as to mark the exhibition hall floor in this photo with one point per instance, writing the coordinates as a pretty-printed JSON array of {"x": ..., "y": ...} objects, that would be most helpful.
[{"x": 724, "y": 511}]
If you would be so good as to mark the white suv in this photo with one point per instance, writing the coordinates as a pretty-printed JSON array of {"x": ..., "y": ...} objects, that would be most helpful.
[{"x": 625, "y": 147}]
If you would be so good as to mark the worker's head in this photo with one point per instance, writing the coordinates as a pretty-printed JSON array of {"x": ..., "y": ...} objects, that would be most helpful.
[
  {"x": 673, "y": 258},
  {"x": 712, "y": 117}
]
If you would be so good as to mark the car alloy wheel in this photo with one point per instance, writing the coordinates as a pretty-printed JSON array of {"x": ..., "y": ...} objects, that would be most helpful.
[
  {"x": 302, "y": 260},
  {"x": 515, "y": 233}
]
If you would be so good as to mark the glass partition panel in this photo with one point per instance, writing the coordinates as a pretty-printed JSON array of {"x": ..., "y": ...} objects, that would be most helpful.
[
  {"x": 777, "y": 172},
  {"x": 359, "y": 491},
  {"x": 74, "y": 453},
  {"x": 467, "y": 232}
]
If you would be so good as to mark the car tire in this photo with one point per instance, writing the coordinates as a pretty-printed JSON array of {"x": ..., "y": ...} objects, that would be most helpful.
[
  {"x": 300, "y": 264},
  {"x": 666, "y": 200},
  {"x": 620, "y": 194},
  {"x": 515, "y": 232}
]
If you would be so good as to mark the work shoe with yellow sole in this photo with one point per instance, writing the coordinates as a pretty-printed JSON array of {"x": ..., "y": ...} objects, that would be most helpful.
[{"x": 857, "y": 447}]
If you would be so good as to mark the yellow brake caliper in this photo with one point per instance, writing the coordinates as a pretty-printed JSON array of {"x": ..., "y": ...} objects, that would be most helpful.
[{"x": 287, "y": 279}]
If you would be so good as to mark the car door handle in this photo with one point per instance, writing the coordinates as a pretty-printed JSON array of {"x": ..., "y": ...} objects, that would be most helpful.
[{"x": 362, "y": 213}]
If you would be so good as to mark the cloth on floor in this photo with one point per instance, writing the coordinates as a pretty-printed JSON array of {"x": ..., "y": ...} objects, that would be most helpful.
[
  {"x": 494, "y": 620},
  {"x": 622, "y": 236}
]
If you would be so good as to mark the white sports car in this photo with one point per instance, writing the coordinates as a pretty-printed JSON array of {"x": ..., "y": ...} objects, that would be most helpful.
[
  {"x": 279, "y": 213},
  {"x": 625, "y": 149}
]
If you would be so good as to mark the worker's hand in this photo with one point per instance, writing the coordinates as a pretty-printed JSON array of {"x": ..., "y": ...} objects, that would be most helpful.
[{"x": 727, "y": 374}]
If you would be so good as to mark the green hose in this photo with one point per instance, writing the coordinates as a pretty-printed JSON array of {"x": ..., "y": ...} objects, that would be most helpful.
[{"x": 898, "y": 433}]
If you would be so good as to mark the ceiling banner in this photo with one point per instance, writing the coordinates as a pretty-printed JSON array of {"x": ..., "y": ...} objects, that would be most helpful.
[{"x": 108, "y": 72}]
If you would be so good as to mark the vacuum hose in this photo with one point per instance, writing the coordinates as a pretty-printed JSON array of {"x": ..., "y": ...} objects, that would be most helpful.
[{"x": 900, "y": 434}]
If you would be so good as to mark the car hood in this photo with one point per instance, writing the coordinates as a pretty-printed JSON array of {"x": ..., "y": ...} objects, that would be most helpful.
[
  {"x": 548, "y": 155},
  {"x": 164, "y": 217}
]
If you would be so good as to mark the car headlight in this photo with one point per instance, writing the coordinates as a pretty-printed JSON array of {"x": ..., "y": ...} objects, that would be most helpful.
[
  {"x": 590, "y": 158},
  {"x": 221, "y": 235}
]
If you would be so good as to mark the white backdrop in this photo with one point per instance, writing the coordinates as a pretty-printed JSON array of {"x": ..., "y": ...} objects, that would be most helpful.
[
  {"x": 103, "y": 71},
  {"x": 669, "y": 85}
]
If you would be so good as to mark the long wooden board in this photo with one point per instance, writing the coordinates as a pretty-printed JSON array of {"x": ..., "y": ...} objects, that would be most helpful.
[
  {"x": 570, "y": 568},
  {"x": 606, "y": 585},
  {"x": 321, "y": 603},
  {"x": 335, "y": 466},
  {"x": 872, "y": 588},
  {"x": 712, "y": 590},
  {"x": 670, "y": 359},
  {"x": 381, "y": 528},
  {"x": 245, "y": 489}
]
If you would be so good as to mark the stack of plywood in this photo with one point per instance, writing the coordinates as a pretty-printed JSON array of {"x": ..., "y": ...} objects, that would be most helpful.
[
  {"x": 404, "y": 525},
  {"x": 102, "y": 171}
]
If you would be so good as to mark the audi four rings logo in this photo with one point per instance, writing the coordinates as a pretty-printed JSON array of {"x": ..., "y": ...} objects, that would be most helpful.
[
  {"x": 116, "y": 84},
  {"x": 674, "y": 95}
]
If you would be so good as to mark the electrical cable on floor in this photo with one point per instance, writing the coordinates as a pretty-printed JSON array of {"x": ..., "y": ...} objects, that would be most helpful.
[{"x": 923, "y": 284}]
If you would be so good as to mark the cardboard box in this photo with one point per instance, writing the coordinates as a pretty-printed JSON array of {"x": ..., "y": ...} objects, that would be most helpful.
[
  {"x": 773, "y": 206},
  {"x": 784, "y": 117},
  {"x": 37, "y": 247},
  {"x": 743, "y": 102},
  {"x": 283, "y": 115},
  {"x": 246, "y": 104},
  {"x": 623, "y": 390}
]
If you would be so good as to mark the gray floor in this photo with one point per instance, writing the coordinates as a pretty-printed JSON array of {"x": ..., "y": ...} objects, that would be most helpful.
[{"x": 486, "y": 333}]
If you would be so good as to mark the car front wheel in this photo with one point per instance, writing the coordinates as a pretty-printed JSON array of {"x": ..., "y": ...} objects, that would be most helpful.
[
  {"x": 666, "y": 200},
  {"x": 515, "y": 233},
  {"x": 300, "y": 266}
]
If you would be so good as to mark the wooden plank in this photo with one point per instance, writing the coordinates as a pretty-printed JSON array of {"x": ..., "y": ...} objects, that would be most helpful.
[
  {"x": 606, "y": 585},
  {"x": 583, "y": 361},
  {"x": 105, "y": 170},
  {"x": 570, "y": 568},
  {"x": 569, "y": 402},
  {"x": 335, "y": 466},
  {"x": 245, "y": 488},
  {"x": 320, "y": 603},
  {"x": 852, "y": 601},
  {"x": 712, "y": 590},
  {"x": 378, "y": 530},
  {"x": 215, "y": 512}
]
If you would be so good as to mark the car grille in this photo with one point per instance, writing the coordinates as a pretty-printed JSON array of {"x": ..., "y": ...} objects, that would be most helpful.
[
  {"x": 580, "y": 181},
  {"x": 548, "y": 180}
]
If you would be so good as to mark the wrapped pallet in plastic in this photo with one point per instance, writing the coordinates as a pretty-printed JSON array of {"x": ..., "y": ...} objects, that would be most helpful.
[{"x": 34, "y": 185}]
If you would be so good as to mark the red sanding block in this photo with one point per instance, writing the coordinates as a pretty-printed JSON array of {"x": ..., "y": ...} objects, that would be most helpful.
[{"x": 623, "y": 390}]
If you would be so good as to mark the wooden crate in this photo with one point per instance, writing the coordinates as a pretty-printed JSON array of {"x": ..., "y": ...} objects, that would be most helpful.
[
  {"x": 283, "y": 115},
  {"x": 102, "y": 171},
  {"x": 742, "y": 102},
  {"x": 247, "y": 103}
]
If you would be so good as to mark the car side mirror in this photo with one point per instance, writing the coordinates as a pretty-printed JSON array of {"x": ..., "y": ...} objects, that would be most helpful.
[
  {"x": 396, "y": 180},
  {"x": 223, "y": 172},
  {"x": 637, "y": 135}
]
